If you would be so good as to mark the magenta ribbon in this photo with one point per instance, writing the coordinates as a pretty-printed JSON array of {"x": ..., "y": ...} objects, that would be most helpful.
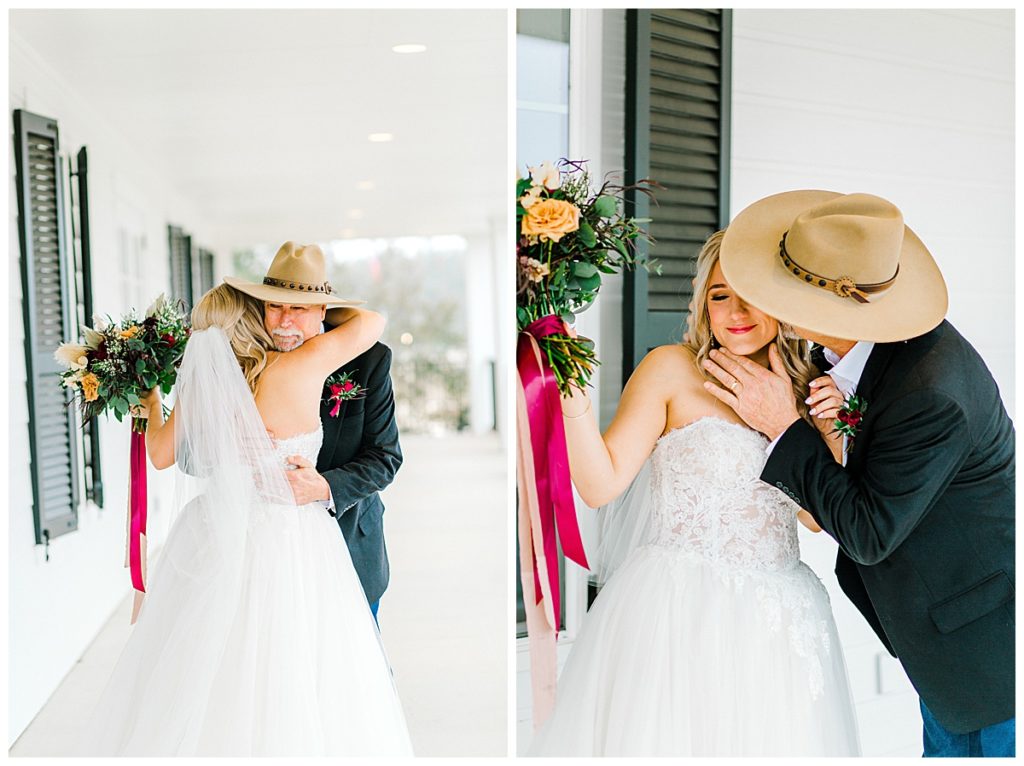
[
  {"x": 547, "y": 437},
  {"x": 137, "y": 509}
]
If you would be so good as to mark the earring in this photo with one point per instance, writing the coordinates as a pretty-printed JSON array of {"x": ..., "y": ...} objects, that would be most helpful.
[{"x": 714, "y": 341}]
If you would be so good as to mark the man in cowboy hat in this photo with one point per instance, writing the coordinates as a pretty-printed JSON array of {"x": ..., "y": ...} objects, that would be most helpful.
[
  {"x": 923, "y": 505},
  {"x": 360, "y": 453}
]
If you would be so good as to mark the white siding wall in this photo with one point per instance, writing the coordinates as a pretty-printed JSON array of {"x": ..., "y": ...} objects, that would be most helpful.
[
  {"x": 917, "y": 107},
  {"x": 56, "y": 608}
]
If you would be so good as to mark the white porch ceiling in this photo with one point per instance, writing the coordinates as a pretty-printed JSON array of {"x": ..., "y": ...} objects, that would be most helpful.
[{"x": 261, "y": 117}]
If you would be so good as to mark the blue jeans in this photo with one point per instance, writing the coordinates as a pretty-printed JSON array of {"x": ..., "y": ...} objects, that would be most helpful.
[{"x": 995, "y": 741}]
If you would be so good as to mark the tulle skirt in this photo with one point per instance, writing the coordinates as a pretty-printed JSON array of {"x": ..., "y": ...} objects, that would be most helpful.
[
  {"x": 278, "y": 655},
  {"x": 680, "y": 657}
]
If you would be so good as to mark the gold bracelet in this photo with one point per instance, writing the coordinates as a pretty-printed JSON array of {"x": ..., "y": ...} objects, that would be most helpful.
[{"x": 585, "y": 411}]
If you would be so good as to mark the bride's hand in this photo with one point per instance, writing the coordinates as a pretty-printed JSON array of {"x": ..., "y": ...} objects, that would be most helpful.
[{"x": 150, "y": 399}]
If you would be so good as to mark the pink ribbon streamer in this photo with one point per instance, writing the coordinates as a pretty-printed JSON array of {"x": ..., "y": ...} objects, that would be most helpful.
[
  {"x": 137, "y": 510},
  {"x": 547, "y": 513}
]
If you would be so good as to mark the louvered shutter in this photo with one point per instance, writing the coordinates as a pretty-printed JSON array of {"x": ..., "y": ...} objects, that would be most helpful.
[
  {"x": 180, "y": 246},
  {"x": 83, "y": 259},
  {"x": 205, "y": 271},
  {"x": 677, "y": 133},
  {"x": 46, "y": 304}
]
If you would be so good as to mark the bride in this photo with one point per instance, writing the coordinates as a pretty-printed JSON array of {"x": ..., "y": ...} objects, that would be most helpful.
[
  {"x": 710, "y": 636},
  {"x": 255, "y": 637}
]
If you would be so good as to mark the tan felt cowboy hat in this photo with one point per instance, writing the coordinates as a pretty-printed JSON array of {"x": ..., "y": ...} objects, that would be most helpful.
[
  {"x": 840, "y": 265},
  {"x": 297, "y": 275}
]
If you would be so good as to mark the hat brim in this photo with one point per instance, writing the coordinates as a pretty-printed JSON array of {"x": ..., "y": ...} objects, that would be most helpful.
[
  {"x": 284, "y": 295},
  {"x": 915, "y": 304}
]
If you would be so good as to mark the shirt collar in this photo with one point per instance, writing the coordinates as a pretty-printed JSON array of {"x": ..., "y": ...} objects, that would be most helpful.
[{"x": 851, "y": 366}]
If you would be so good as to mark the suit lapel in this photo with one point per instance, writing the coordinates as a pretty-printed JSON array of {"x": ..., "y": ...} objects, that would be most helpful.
[
  {"x": 874, "y": 371},
  {"x": 332, "y": 430}
]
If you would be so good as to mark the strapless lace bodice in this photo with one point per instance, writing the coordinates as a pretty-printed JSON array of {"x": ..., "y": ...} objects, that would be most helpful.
[
  {"x": 307, "y": 445},
  {"x": 710, "y": 501}
]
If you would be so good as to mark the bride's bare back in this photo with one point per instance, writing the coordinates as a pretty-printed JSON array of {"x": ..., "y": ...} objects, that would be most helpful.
[{"x": 290, "y": 387}]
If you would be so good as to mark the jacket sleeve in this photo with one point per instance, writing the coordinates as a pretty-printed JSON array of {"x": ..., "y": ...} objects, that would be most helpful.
[
  {"x": 379, "y": 457},
  {"x": 919, "y": 442}
]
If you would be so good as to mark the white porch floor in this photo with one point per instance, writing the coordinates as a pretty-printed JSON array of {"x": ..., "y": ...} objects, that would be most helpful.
[{"x": 443, "y": 618}]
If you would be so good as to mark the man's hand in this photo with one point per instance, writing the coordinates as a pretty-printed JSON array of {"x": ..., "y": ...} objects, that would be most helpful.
[
  {"x": 825, "y": 401},
  {"x": 762, "y": 398},
  {"x": 307, "y": 485}
]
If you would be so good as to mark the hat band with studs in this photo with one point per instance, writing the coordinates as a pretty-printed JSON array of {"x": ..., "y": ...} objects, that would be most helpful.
[
  {"x": 305, "y": 287},
  {"x": 844, "y": 287}
]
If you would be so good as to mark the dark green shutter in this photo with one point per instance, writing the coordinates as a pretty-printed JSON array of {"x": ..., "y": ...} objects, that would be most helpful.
[
  {"x": 678, "y": 76},
  {"x": 205, "y": 271},
  {"x": 180, "y": 246},
  {"x": 82, "y": 253},
  {"x": 46, "y": 306}
]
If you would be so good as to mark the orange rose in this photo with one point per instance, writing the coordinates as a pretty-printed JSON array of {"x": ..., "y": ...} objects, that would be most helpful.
[
  {"x": 129, "y": 332},
  {"x": 90, "y": 387},
  {"x": 551, "y": 219}
]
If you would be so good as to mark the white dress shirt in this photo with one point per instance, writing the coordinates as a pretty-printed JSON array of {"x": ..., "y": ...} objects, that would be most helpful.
[{"x": 845, "y": 373}]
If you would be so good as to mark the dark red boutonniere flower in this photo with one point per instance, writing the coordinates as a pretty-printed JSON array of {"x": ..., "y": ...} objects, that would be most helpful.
[
  {"x": 341, "y": 388},
  {"x": 849, "y": 419}
]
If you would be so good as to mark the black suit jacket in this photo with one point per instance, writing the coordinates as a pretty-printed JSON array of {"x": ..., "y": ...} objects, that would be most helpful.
[
  {"x": 359, "y": 457},
  {"x": 924, "y": 516}
]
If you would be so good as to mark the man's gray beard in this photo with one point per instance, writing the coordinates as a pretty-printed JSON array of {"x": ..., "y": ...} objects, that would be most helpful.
[{"x": 277, "y": 336}]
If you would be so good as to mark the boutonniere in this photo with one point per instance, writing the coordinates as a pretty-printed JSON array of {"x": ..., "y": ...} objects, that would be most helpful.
[
  {"x": 850, "y": 416},
  {"x": 341, "y": 388}
]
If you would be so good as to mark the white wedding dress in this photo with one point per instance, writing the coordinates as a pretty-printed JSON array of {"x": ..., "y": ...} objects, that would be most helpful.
[
  {"x": 711, "y": 638},
  {"x": 255, "y": 637}
]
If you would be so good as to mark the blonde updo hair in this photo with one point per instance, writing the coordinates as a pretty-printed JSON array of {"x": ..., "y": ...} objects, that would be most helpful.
[
  {"x": 241, "y": 318},
  {"x": 795, "y": 352}
]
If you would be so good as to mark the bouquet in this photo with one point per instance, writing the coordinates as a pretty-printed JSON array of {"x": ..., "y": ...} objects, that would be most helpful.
[
  {"x": 118, "y": 363},
  {"x": 114, "y": 368},
  {"x": 568, "y": 236}
]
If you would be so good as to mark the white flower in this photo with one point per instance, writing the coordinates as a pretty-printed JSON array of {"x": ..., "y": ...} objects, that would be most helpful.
[
  {"x": 99, "y": 323},
  {"x": 532, "y": 195},
  {"x": 72, "y": 380},
  {"x": 546, "y": 175},
  {"x": 156, "y": 305},
  {"x": 72, "y": 356},
  {"x": 92, "y": 338}
]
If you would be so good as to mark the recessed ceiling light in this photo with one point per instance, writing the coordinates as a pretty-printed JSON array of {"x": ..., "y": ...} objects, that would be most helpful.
[
  {"x": 355, "y": 213},
  {"x": 380, "y": 138},
  {"x": 409, "y": 48},
  {"x": 364, "y": 185}
]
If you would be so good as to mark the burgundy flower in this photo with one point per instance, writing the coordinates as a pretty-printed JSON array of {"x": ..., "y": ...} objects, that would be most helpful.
[{"x": 167, "y": 338}]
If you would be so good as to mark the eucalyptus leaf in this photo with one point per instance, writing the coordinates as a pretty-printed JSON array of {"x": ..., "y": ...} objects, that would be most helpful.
[
  {"x": 591, "y": 283},
  {"x": 587, "y": 236},
  {"x": 605, "y": 206},
  {"x": 139, "y": 365},
  {"x": 584, "y": 270}
]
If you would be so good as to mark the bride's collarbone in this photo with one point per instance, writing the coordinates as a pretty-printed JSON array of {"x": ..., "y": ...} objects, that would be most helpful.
[{"x": 695, "y": 404}]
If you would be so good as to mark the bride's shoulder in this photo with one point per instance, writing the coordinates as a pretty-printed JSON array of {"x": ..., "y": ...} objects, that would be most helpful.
[
  {"x": 673, "y": 358},
  {"x": 667, "y": 367}
]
